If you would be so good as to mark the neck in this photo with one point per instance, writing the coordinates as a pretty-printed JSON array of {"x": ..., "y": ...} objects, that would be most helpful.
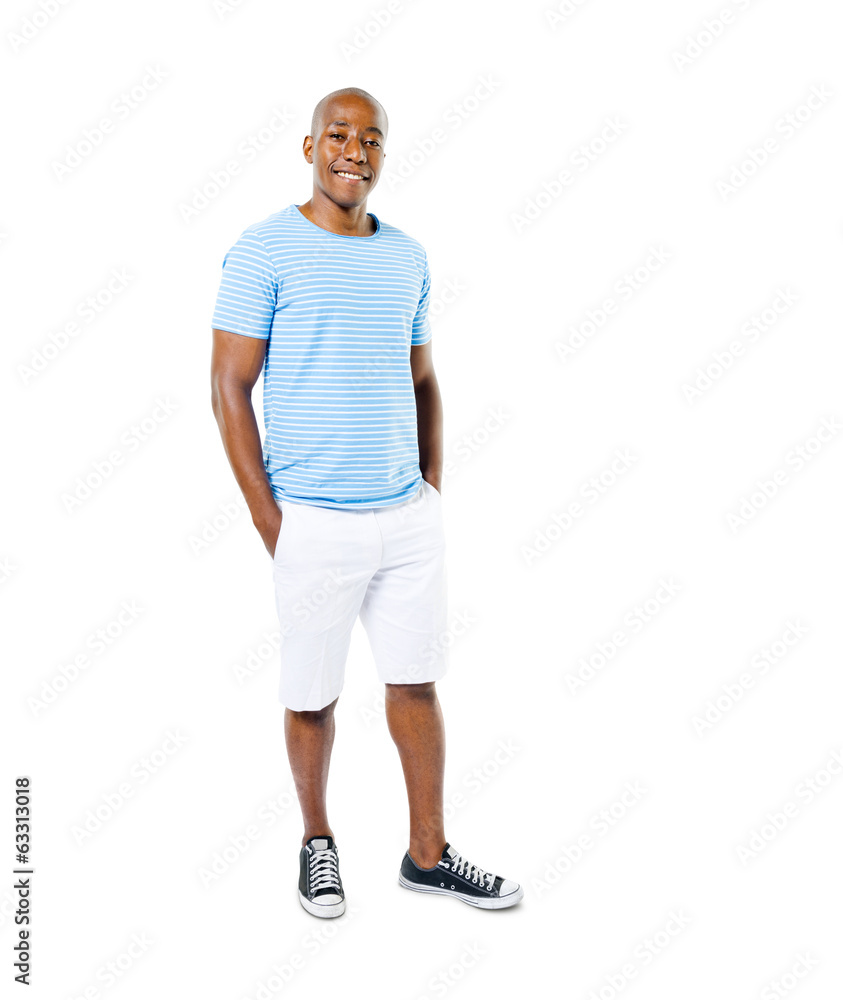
[{"x": 339, "y": 219}]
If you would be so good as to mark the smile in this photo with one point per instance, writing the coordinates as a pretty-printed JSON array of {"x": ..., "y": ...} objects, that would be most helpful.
[{"x": 350, "y": 177}]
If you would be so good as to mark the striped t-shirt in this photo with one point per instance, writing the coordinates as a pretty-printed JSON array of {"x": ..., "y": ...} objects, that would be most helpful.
[{"x": 340, "y": 314}]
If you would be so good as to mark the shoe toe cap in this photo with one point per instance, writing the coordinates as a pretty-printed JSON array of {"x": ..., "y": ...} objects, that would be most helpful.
[
  {"x": 508, "y": 887},
  {"x": 329, "y": 899}
]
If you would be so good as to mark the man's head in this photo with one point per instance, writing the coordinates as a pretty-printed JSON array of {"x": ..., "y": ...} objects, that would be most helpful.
[{"x": 348, "y": 136}]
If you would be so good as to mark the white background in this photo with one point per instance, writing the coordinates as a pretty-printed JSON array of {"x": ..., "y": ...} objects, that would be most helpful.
[{"x": 207, "y": 606}]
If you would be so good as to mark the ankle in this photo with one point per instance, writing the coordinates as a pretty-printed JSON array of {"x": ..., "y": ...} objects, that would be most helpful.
[
  {"x": 427, "y": 853},
  {"x": 321, "y": 831}
]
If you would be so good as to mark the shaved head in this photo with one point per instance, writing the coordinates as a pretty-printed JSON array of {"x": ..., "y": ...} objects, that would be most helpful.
[
  {"x": 319, "y": 110},
  {"x": 346, "y": 150}
]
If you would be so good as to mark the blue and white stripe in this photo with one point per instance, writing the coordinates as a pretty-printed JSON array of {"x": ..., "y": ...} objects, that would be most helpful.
[{"x": 340, "y": 314}]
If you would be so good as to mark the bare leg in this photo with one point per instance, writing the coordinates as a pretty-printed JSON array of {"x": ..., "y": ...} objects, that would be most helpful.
[
  {"x": 416, "y": 725},
  {"x": 310, "y": 737}
]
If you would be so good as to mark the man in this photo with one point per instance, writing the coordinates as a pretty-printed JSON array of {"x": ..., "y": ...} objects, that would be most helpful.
[{"x": 332, "y": 304}]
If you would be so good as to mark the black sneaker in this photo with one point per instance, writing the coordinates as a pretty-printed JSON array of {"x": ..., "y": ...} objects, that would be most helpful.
[
  {"x": 454, "y": 876},
  {"x": 320, "y": 886}
]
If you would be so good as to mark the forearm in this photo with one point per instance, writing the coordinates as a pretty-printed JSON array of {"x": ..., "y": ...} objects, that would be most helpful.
[
  {"x": 241, "y": 439},
  {"x": 430, "y": 424}
]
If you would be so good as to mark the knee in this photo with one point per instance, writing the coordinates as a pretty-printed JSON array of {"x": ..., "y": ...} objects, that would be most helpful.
[
  {"x": 319, "y": 717},
  {"x": 411, "y": 692}
]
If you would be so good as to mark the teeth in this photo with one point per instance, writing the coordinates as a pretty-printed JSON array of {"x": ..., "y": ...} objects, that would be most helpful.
[{"x": 342, "y": 173}]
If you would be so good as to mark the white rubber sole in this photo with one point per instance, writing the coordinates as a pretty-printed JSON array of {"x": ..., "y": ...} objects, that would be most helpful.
[
  {"x": 490, "y": 903},
  {"x": 323, "y": 909}
]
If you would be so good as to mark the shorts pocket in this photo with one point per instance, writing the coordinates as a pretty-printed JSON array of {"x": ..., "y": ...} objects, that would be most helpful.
[{"x": 279, "y": 541}]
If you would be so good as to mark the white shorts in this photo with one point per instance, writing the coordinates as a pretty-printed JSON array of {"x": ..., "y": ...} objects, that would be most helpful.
[{"x": 385, "y": 564}]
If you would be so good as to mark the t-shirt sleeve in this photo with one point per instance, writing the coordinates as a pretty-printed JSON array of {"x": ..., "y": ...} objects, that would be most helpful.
[
  {"x": 421, "y": 323},
  {"x": 248, "y": 292}
]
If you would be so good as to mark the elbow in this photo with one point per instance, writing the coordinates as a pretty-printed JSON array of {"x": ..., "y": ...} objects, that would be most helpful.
[
  {"x": 218, "y": 397},
  {"x": 424, "y": 383},
  {"x": 226, "y": 396}
]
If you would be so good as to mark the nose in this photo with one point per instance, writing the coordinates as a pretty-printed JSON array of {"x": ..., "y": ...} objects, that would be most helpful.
[{"x": 353, "y": 150}]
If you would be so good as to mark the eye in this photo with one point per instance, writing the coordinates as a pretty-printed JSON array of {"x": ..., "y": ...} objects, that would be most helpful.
[
  {"x": 335, "y": 135},
  {"x": 374, "y": 142}
]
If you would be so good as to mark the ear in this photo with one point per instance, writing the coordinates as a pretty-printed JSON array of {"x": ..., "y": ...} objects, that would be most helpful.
[{"x": 307, "y": 148}]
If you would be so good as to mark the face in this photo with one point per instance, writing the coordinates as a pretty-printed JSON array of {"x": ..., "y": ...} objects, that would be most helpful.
[{"x": 348, "y": 154}]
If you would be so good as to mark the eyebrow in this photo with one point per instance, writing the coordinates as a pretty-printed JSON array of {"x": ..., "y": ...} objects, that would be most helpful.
[{"x": 371, "y": 128}]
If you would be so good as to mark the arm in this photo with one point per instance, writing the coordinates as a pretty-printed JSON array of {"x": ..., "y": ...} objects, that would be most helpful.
[
  {"x": 429, "y": 413},
  {"x": 236, "y": 363}
]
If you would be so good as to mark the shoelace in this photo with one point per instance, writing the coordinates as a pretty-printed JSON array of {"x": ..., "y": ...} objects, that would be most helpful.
[
  {"x": 324, "y": 871},
  {"x": 464, "y": 867}
]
